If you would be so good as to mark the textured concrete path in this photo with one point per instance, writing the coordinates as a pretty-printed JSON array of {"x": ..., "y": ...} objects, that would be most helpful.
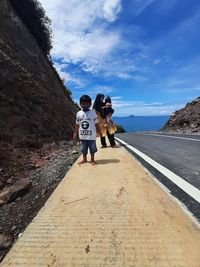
[{"x": 111, "y": 214}]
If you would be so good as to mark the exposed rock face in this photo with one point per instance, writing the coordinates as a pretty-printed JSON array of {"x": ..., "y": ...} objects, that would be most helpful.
[
  {"x": 33, "y": 101},
  {"x": 36, "y": 110},
  {"x": 36, "y": 115},
  {"x": 186, "y": 119}
]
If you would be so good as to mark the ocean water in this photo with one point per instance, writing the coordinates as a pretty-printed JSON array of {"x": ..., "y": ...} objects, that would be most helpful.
[{"x": 141, "y": 123}]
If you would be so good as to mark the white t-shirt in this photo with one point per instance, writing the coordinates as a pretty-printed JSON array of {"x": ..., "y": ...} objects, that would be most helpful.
[{"x": 86, "y": 121}]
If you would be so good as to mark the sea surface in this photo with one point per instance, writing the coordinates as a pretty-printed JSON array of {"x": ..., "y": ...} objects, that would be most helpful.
[{"x": 141, "y": 123}]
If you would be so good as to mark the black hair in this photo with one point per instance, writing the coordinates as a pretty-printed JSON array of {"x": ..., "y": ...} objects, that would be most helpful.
[
  {"x": 85, "y": 98},
  {"x": 98, "y": 104},
  {"x": 108, "y": 99}
]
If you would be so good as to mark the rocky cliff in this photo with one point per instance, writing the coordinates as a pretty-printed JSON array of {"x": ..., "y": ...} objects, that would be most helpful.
[
  {"x": 185, "y": 120},
  {"x": 33, "y": 101},
  {"x": 36, "y": 110},
  {"x": 36, "y": 119}
]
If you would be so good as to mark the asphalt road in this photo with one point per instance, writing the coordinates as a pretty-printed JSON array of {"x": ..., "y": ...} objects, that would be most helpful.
[{"x": 180, "y": 153}]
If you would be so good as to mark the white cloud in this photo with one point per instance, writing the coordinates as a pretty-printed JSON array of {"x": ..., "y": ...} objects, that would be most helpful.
[
  {"x": 68, "y": 77},
  {"x": 140, "y": 108},
  {"x": 80, "y": 30},
  {"x": 78, "y": 14},
  {"x": 111, "y": 8},
  {"x": 116, "y": 97},
  {"x": 87, "y": 48},
  {"x": 82, "y": 36},
  {"x": 100, "y": 89}
]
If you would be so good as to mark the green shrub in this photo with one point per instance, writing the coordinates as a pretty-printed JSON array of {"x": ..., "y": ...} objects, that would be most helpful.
[{"x": 120, "y": 129}]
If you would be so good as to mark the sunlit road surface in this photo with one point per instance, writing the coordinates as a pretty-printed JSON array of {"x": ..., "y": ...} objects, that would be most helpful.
[
  {"x": 179, "y": 155},
  {"x": 111, "y": 214}
]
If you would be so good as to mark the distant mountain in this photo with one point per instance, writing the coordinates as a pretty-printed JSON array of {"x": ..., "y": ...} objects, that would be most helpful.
[
  {"x": 186, "y": 119},
  {"x": 141, "y": 123}
]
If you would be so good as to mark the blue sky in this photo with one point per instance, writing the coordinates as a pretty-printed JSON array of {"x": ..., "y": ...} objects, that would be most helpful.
[{"x": 145, "y": 54}]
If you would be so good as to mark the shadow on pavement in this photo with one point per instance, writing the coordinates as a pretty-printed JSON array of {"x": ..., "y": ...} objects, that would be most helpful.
[{"x": 106, "y": 161}]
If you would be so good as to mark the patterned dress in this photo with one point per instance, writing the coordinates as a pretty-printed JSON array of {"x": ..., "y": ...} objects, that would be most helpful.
[{"x": 111, "y": 126}]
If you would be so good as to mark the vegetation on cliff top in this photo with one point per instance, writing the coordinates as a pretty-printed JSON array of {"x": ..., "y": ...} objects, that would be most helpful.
[
  {"x": 120, "y": 129},
  {"x": 33, "y": 16}
]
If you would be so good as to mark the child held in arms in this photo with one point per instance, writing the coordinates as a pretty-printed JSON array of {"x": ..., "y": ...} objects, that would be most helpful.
[
  {"x": 108, "y": 111},
  {"x": 87, "y": 128}
]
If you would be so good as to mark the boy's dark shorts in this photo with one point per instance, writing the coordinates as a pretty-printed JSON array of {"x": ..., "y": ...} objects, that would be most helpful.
[{"x": 91, "y": 144}]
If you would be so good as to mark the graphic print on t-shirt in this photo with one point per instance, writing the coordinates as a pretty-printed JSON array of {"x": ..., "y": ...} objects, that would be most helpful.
[{"x": 85, "y": 126}]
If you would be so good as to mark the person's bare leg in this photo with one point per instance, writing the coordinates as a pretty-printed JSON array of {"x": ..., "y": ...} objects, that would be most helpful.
[
  {"x": 92, "y": 159},
  {"x": 84, "y": 160}
]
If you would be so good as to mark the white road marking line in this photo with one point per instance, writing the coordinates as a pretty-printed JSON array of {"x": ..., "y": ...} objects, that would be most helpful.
[
  {"x": 178, "y": 137},
  {"x": 180, "y": 182}
]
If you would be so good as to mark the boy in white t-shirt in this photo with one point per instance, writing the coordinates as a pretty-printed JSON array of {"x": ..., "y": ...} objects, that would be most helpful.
[{"x": 86, "y": 127}]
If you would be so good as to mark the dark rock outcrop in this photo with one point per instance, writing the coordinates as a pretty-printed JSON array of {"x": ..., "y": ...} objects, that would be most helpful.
[
  {"x": 16, "y": 190},
  {"x": 186, "y": 120},
  {"x": 34, "y": 103}
]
